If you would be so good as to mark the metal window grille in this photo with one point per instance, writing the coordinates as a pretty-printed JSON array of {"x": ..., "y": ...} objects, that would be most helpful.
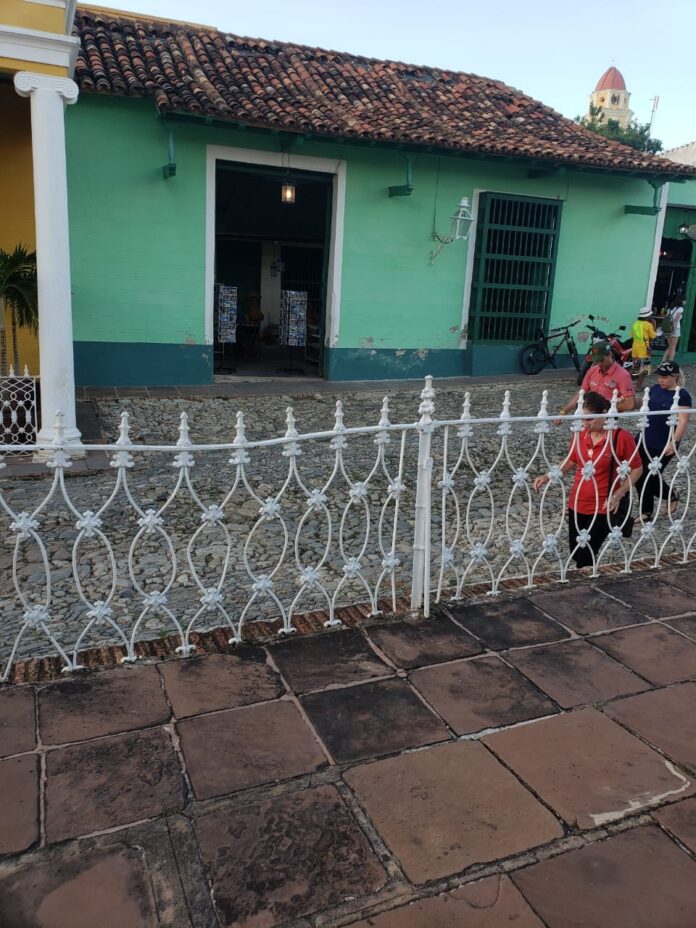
[{"x": 514, "y": 265}]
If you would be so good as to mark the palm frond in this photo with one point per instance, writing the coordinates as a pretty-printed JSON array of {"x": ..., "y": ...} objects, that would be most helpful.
[{"x": 18, "y": 285}]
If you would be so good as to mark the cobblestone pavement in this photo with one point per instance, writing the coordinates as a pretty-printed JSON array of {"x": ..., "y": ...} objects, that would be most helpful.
[
  {"x": 155, "y": 420},
  {"x": 529, "y": 761}
]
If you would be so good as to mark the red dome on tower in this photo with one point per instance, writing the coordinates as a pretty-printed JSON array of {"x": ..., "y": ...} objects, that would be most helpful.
[{"x": 612, "y": 79}]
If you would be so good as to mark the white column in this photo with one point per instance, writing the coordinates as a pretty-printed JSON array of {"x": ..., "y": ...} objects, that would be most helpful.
[{"x": 48, "y": 97}]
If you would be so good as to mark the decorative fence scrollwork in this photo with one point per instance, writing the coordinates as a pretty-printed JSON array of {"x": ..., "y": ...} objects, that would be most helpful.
[
  {"x": 175, "y": 539},
  {"x": 18, "y": 409}
]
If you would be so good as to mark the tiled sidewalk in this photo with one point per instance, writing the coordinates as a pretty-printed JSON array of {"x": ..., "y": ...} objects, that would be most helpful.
[{"x": 526, "y": 762}]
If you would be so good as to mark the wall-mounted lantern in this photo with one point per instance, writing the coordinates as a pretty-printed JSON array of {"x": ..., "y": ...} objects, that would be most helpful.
[
  {"x": 287, "y": 193},
  {"x": 461, "y": 222}
]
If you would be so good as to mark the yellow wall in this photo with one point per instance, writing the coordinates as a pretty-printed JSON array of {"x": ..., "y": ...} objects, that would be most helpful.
[
  {"x": 17, "y": 196},
  {"x": 33, "y": 16},
  {"x": 10, "y": 66}
]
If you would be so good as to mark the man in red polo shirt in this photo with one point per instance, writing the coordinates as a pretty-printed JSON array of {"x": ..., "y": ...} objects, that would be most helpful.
[{"x": 604, "y": 377}]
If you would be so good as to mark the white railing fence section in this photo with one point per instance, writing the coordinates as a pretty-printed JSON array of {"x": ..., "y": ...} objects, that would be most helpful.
[
  {"x": 186, "y": 537},
  {"x": 18, "y": 409}
]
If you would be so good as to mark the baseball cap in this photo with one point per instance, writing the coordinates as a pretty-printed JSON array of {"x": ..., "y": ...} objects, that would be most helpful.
[
  {"x": 668, "y": 369},
  {"x": 600, "y": 349}
]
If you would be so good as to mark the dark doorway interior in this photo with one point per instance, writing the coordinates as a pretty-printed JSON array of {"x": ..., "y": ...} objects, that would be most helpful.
[
  {"x": 673, "y": 283},
  {"x": 267, "y": 249}
]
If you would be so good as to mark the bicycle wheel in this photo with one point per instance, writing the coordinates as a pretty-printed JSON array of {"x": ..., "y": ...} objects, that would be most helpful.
[
  {"x": 573, "y": 352},
  {"x": 583, "y": 370},
  {"x": 533, "y": 359}
]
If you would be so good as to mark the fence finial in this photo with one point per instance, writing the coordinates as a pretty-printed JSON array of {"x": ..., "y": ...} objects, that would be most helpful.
[
  {"x": 26, "y": 371},
  {"x": 184, "y": 434},
  {"x": 466, "y": 406},
  {"x": 427, "y": 405},
  {"x": 11, "y": 373},
  {"x": 59, "y": 428},
  {"x": 673, "y": 418},
  {"x": 384, "y": 413},
  {"x": 123, "y": 430},
  {"x": 338, "y": 418},
  {"x": 292, "y": 449},
  {"x": 291, "y": 429},
  {"x": 544, "y": 407},
  {"x": 239, "y": 433},
  {"x": 611, "y": 422},
  {"x": 579, "y": 412}
]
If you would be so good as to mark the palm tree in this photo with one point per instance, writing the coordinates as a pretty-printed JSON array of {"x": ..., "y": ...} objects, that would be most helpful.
[{"x": 18, "y": 290}]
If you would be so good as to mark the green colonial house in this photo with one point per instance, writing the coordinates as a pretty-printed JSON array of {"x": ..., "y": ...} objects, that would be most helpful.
[{"x": 231, "y": 196}]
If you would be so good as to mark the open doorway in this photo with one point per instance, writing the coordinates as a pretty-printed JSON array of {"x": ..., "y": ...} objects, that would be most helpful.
[
  {"x": 271, "y": 258},
  {"x": 675, "y": 281}
]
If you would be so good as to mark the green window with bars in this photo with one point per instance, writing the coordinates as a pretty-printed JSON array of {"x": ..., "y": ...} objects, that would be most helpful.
[{"x": 514, "y": 265}]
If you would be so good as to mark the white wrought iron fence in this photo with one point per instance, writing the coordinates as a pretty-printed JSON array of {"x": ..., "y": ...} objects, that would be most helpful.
[
  {"x": 18, "y": 409},
  {"x": 187, "y": 537}
]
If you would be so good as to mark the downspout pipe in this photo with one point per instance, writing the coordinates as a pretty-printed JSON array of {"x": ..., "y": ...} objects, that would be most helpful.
[
  {"x": 169, "y": 169},
  {"x": 404, "y": 190}
]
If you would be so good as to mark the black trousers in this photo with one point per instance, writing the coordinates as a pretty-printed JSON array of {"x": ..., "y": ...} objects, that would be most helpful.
[
  {"x": 577, "y": 521},
  {"x": 653, "y": 483}
]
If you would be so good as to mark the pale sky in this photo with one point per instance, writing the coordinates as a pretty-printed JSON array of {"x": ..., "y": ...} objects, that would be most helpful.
[{"x": 553, "y": 50}]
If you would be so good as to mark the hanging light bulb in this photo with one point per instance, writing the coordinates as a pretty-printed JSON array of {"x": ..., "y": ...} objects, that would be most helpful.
[{"x": 287, "y": 193}]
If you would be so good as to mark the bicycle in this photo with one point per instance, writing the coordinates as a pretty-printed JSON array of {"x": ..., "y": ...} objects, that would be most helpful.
[{"x": 534, "y": 358}]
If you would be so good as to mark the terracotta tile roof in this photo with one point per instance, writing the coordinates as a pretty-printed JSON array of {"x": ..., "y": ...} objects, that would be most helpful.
[{"x": 293, "y": 88}]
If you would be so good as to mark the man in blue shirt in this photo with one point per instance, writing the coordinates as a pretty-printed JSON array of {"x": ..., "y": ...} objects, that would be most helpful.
[{"x": 661, "y": 440}]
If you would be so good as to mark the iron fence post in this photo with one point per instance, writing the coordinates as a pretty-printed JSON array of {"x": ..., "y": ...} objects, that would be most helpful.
[{"x": 420, "y": 585}]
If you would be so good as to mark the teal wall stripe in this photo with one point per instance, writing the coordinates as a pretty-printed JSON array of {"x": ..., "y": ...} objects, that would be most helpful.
[{"x": 141, "y": 364}]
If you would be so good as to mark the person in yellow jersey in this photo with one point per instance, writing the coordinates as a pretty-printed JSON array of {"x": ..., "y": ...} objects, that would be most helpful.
[{"x": 643, "y": 334}]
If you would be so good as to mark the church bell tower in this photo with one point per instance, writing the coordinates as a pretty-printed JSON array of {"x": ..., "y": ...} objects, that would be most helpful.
[{"x": 611, "y": 97}]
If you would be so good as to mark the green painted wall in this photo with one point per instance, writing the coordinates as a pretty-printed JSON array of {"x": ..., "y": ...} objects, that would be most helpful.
[{"x": 138, "y": 242}]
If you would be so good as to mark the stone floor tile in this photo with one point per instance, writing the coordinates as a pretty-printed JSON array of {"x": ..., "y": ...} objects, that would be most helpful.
[
  {"x": 414, "y": 643},
  {"x": 443, "y": 809},
  {"x": 101, "y": 704},
  {"x": 107, "y": 889},
  {"x": 19, "y": 789},
  {"x": 637, "y": 879},
  {"x": 134, "y": 878},
  {"x": 478, "y": 694},
  {"x": 17, "y": 720},
  {"x": 686, "y": 625},
  {"x": 587, "y": 768},
  {"x": 113, "y": 781},
  {"x": 682, "y": 577},
  {"x": 680, "y": 820},
  {"x": 656, "y": 652},
  {"x": 665, "y": 718},
  {"x": 493, "y": 902},
  {"x": 315, "y": 662},
  {"x": 575, "y": 674},
  {"x": 219, "y": 681},
  {"x": 285, "y": 858},
  {"x": 650, "y": 595},
  {"x": 239, "y": 748},
  {"x": 508, "y": 624},
  {"x": 372, "y": 719},
  {"x": 586, "y": 610}
]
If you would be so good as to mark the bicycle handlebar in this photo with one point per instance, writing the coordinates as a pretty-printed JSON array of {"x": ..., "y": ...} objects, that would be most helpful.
[{"x": 563, "y": 329}]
